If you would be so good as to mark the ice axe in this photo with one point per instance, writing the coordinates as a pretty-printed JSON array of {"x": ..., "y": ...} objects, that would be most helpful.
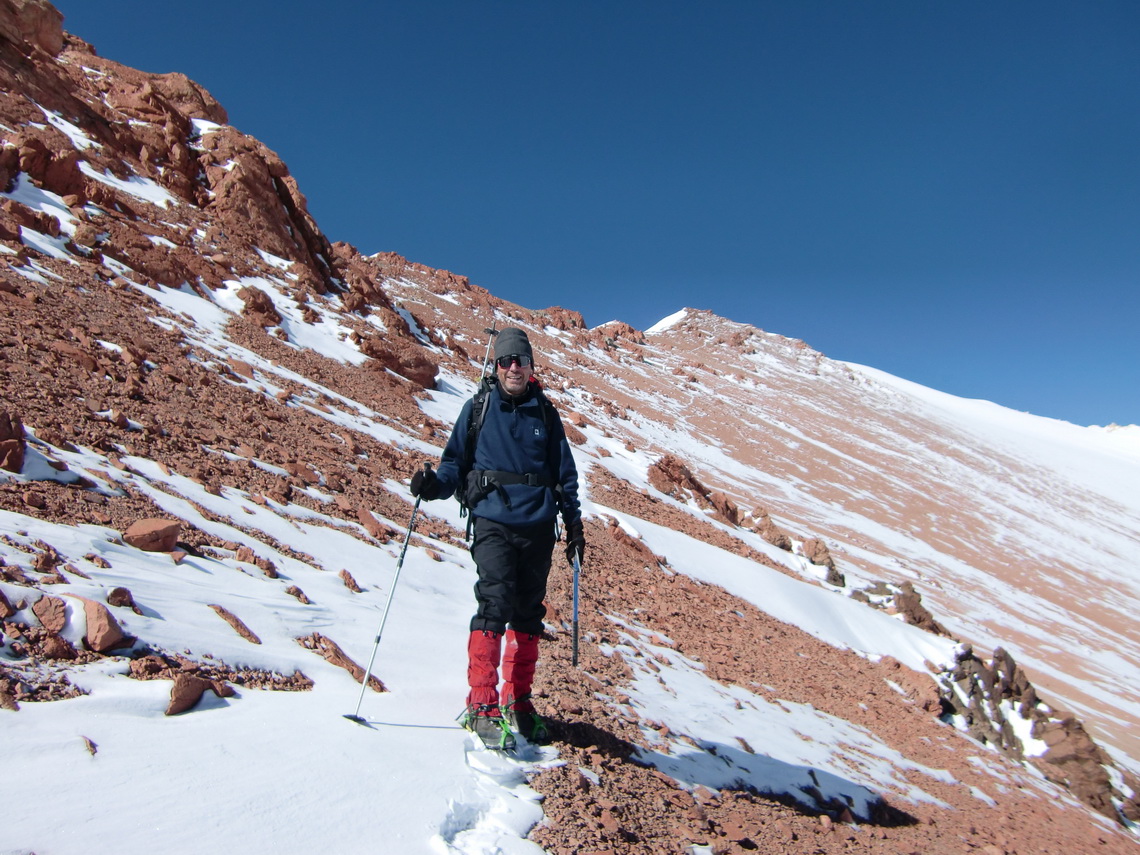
[
  {"x": 384, "y": 618},
  {"x": 491, "y": 333}
]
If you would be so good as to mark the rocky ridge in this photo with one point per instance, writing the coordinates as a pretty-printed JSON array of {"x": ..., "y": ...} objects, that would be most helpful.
[{"x": 119, "y": 184}]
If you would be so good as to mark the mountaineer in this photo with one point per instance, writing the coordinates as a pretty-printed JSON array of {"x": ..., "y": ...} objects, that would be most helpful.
[{"x": 509, "y": 464}]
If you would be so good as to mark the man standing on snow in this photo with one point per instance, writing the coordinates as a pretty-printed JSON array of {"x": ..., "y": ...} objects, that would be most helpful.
[{"x": 509, "y": 464}]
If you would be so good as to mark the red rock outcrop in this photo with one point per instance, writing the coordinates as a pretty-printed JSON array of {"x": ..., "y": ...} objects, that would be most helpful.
[
  {"x": 33, "y": 24},
  {"x": 816, "y": 551},
  {"x": 673, "y": 478},
  {"x": 1074, "y": 760},
  {"x": 567, "y": 319},
  {"x": 726, "y": 509},
  {"x": 255, "y": 197},
  {"x": 401, "y": 357}
]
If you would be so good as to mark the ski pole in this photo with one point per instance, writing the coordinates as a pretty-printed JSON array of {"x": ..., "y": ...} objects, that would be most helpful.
[
  {"x": 574, "y": 641},
  {"x": 384, "y": 618}
]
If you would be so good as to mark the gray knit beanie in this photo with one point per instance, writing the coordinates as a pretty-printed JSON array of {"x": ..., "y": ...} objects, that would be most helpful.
[{"x": 512, "y": 340}]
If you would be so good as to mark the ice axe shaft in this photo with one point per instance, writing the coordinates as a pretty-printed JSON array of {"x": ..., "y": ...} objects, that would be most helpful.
[
  {"x": 574, "y": 637},
  {"x": 387, "y": 606}
]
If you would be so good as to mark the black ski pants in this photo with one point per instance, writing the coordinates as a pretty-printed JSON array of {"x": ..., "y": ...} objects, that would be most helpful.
[{"x": 513, "y": 564}]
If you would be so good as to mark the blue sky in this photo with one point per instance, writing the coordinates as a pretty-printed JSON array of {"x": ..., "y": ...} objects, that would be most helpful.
[{"x": 949, "y": 192}]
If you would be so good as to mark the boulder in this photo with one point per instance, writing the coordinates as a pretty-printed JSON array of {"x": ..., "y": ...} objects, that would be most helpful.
[
  {"x": 373, "y": 526},
  {"x": 725, "y": 508},
  {"x": 103, "y": 632},
  {"x": 908, "y": 603},
  {"x": 153, "y": 535},
  {"x": 122, "y": 598},
  {"x": 259, "y": 307},
  {"x": 816, "y": 551},
  {"x": 188, "y": 689},
  {"x": 574, "y": 435},
  {"x": 57, "y": 647},
  {"x": 12, "y": 443},
  {"x": 9, "y": 168},
  {"x": 673, "y": 478},
  {"x": 52, "y": 613},
  {"x": 770, "y": 531}
]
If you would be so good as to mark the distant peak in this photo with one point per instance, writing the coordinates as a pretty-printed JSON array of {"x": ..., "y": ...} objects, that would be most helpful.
[{"x": 668, "y": 322}]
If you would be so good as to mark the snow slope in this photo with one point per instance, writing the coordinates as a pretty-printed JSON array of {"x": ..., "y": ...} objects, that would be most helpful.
[{"x": 405, "y": 776}]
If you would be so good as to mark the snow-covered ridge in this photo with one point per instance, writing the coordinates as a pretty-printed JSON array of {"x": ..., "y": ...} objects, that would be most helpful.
[{"x": 668, "y": 322}]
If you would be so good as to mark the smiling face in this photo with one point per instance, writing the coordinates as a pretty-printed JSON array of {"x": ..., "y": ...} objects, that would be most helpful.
[{"x": 514, "y": 377}]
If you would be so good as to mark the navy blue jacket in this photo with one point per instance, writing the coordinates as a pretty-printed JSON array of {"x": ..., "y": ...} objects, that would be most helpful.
[{"x": 514, "y": 438}]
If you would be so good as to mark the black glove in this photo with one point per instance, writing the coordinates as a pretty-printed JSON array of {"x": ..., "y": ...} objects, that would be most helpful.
[
  {"x": 575, "y": 542},
  {"x": 425, "y": 484}
]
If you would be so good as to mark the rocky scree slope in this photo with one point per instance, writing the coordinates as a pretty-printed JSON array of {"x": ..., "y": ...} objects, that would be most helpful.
[{"x": 121, "y": 186}]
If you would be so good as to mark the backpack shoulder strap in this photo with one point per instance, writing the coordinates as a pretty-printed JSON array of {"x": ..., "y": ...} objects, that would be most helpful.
[
  {"x": 480, "y": 404},
  {"x": 549, "y": 414},
  {"x": 550, "y": 417}
]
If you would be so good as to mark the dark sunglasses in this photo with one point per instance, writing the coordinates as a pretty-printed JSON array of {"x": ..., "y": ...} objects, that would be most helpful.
[{"x": 522, "y": 359}]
